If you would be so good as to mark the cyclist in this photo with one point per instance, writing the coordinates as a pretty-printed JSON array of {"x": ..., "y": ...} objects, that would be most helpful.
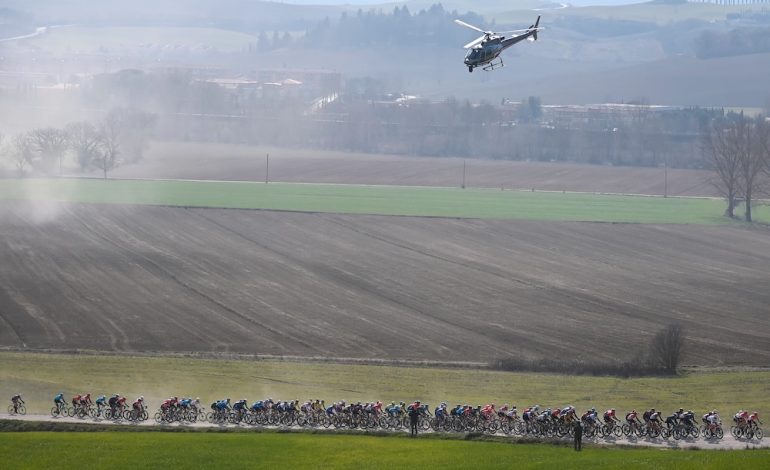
[
  {"x": 646, "y": 415},
  {"x": 441, "y": 412},
  {"x": 121, "y": 402},
  {"x": 688, "y": 419},
  {"x": 85, "y": 400},
  {"x": 76, "y": 402},
  {"x": 672, "y": 420},
  {"x": 138, "y": 406},
  {"x": 654, "y": 421},
  {"x": 58, "y": 400},
  {"x": 632, "y": 419},
  {"x": 753, "y": 420},
  {"x": 741, "y": 418},
  {"x": 16, "y": 400},
  {"x": 610, "y": 418},
  {"x": 713, "y": 420},
  {"x": 488, "y": 410},
  {"x": 240, "y": 407},
  {"x": 113, "y": 403},
  {"x": 101, "y": 401}
]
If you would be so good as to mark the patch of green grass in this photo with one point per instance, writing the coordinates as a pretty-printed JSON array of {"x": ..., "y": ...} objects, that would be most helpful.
[
  {"x": 115, "y": 450},
  {"x": 381, "y": 200},
  {"x": 38, "y": 377}
]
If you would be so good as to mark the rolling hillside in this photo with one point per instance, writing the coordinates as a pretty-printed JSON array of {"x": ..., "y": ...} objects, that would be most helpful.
[{"x": 171, "y": 279}]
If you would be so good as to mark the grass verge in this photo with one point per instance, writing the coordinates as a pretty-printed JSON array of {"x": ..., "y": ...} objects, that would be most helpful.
[{"x": 38, "y": 377}]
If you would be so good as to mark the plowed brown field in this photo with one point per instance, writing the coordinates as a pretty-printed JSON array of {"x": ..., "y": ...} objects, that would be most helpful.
[
  {"x": 171, "y": 279},
  {"x": 237, "y": 162}
]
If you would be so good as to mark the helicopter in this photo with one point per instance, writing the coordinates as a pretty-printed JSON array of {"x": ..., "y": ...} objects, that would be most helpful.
[{"x": 485, "y": 50}]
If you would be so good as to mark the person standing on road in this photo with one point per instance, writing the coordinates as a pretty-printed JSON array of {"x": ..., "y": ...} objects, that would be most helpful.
[
  {"x": 414, "y": 417},
  {"x": 578, "y": 427}
]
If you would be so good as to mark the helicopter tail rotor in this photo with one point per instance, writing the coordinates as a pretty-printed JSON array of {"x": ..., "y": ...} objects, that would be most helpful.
[{"x": 535, "y": 28}]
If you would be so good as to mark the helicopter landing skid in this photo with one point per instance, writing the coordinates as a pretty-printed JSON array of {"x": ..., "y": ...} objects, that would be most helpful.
[{"x": 494, "y": 65}]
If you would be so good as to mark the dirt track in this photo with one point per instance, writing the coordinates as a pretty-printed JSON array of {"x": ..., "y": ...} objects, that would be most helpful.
[
  {"x": 170, "y": 279},
  {"x": 235, "y": 162},
  {"x": 727, "y": 443}
]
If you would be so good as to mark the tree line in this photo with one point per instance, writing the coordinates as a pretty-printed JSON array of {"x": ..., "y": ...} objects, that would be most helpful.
[{"x": 121, "y": 136}]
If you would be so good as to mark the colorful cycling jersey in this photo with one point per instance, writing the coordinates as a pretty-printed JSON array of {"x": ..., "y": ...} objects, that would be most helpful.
[
  {"x": 101, "y": 400},
  {"x": 631, "y": 416},
  {"x": 58, "y": 398}
]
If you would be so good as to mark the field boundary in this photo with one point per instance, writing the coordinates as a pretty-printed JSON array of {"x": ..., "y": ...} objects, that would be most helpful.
[{"x": 259, "y": 357}]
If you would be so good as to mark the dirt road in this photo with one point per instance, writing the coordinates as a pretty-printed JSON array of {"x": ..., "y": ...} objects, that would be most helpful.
[{"x": 727, "y": 443}]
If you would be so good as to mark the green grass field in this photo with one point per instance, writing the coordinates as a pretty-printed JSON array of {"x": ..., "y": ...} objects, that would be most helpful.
[
  {"x": 38, "y": 377},
  {"x": 382, "y": 200},
  {"x": 116, "y": 450}
]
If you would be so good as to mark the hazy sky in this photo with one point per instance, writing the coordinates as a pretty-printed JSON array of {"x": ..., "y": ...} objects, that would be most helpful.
[{"x": 380, "y": 2}]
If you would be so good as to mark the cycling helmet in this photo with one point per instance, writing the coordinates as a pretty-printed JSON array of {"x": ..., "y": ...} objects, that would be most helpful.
[
  {"x": 652, "y": 409},
  {"x": 633, "y": 411},
  {"x": 612, "y": 409},
  {"x": 593, "y": 410}
]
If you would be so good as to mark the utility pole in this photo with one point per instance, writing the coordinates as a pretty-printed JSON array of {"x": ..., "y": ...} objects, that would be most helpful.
[
  {"x": 463, "y": 174},
  {"x": 665, "y": 178},
  {"x": 267, "y": 168}
]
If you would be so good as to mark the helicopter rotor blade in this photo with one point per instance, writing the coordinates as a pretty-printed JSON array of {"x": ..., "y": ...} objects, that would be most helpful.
[
  {"x": 475, "y": 42},
  {"x": 463, "y": 23}
]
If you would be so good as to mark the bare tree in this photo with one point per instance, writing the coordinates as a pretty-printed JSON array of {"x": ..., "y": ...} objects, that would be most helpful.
[
  {"x": 721, "y": 149},
  {"x": 22, "y": 152},
  {"x": 108, "y": 148},
  {"x": 751, "y": 156},
  {"x": 667, "y": 347},
  {"x": 50, "y": 144},
  {"x": 84, "y": 140}
]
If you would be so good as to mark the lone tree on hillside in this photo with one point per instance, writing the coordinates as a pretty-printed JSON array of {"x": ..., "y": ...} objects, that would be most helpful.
[{"x": 667, "y": 347}]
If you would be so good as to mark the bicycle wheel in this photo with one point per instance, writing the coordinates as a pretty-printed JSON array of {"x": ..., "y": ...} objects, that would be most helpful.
[
  {"x": 626, "y": 430},
  {"x": 719, "y": 433},
  {"x": 11, "y": 410},
  {"x": 758, "y": 434}
]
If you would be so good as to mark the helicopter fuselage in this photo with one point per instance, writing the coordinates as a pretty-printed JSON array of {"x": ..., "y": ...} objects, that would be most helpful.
[{"x": 490, "y": 49}]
